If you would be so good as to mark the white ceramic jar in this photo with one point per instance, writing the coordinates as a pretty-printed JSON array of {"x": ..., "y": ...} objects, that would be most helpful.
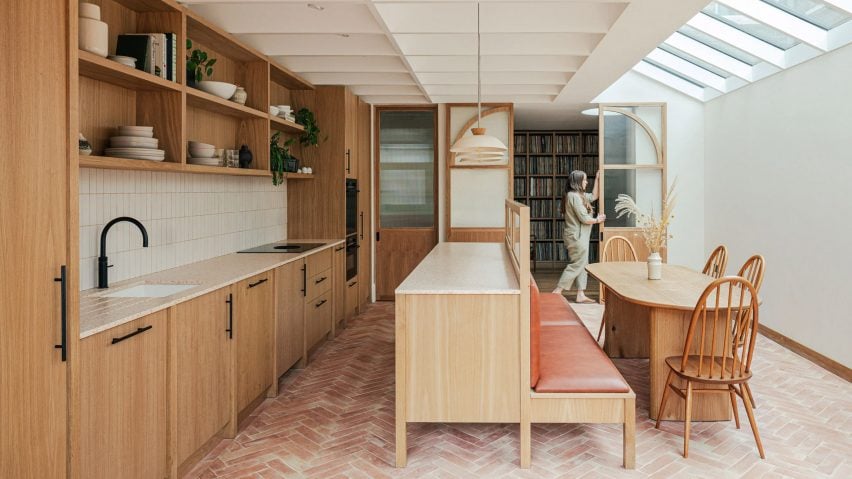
[
  {"x": 93, "y": 34},
  {"x": 655, "y": 266}
]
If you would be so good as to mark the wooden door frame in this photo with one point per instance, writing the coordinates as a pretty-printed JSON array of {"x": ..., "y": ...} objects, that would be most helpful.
[
  {"x": 377, "y": 146},
  {"x": 478, "y": 232}
]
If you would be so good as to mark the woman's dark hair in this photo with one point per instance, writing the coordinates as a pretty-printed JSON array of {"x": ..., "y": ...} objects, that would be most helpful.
[{"x": 575, "y": 184}]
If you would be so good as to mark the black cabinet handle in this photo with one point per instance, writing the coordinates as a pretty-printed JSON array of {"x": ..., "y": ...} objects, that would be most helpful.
[
  {"x": 320, "y": 303},
  {"x": 63, "y": 291},
  {"x": 230, "y": 329},
  {"x": 321, "y": 280},
  {"x": 339, "y": 249},
  {"x": 348, "y": 161},
  {"x": 134, "y": 333},
  {"x": 258, "y": 283},
  {"x": 362, "y": 225},
  {"x": 304, "y": 280}
]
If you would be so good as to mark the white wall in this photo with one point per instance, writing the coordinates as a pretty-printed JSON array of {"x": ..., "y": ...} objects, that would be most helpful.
[
  {"x": 778, "y": 175},
  {"x": 685, "y": 160},
  {"x": 189, "y": 218}
]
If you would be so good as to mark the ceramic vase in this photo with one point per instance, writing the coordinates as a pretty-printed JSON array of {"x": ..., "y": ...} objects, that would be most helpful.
[
  {"x": 655, "y": 266},
  {"x": 240, "y": 96},
  {"x": 93, "y": 34},
  {"x": 245, "y": 157}
]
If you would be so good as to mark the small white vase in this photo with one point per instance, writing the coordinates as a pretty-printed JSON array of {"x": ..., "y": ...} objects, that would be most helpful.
[
  {"x": 655, "y": 266},
  {"x": 240, "y": 96},
  {"x": 93, "y": 34}
]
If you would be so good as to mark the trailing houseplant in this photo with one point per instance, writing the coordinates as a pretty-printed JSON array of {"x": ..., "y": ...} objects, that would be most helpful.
[
  {"x": 278, "y": 157},
  {"x": 654, "y": 228},
  {"x": 197, "y": 64},
  {"x": 310, "y": 137}
]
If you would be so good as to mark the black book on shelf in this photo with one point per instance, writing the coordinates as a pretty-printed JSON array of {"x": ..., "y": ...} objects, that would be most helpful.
[{"x": 136, "y": 46}]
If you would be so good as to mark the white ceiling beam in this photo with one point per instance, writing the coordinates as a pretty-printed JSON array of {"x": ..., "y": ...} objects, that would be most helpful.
[
  {"x": 395, "y": 99},
  {"x": 711, "y": 56},
  {"x": 840, "y": 35},
  {"x": 341, "y": 63},
  {"x": 734, "y": 37},
  {"x": 841, "y": 4},
  {"x": 781, "y": 20},
  {"x": 688, "y": 69},
  {"x": 323, "y": 78},
  {"x": 378, "y": 90}
]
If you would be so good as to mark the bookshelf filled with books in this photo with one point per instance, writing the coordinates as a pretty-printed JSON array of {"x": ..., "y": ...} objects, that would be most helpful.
[
  {"x": 156, "y": 94},
  {"x": 543, "y": 161}
]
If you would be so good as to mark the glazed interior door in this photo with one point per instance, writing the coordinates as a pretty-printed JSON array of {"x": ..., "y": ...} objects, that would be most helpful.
[
  {"x": 406, "y": 203},
  {"x": 632, "y": 159}
]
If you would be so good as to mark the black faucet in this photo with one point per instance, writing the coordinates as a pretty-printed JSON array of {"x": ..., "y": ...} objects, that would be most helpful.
[{"x": 103, "y": 280}]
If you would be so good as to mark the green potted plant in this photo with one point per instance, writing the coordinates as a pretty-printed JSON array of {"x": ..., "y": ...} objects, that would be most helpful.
[
  {"x": 197, "y": 64},
  {"x": 310, "y": 137},
  {"x": 280, "y": 159}
]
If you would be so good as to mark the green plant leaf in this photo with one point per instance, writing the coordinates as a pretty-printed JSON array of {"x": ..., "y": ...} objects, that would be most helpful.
[
  {"x": 188, "y": 44},
  {"x": 211, "y": 62},
  {"x": 203, "y": 56},
  {"x": 209, "y": 72}
]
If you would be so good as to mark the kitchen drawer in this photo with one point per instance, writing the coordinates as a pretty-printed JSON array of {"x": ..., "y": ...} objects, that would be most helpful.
[
  {"x": 319, "y": 262},
  {"x": 319, "y": 284},
  {"x": 317, "y": 319}
]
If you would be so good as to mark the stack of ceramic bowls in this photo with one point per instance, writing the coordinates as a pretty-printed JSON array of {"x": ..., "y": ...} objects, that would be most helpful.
[
  {"x": 285, "y": 112},
  {"x": 203, "y": 154},
  {"x": 135, "y": 142}
]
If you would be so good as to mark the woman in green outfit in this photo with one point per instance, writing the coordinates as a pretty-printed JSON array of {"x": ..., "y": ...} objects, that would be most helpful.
[{"x": 578, "y": 212}]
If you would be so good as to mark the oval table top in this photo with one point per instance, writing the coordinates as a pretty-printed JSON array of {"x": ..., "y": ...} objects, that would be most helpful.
[{"x": 679, "y": 288}]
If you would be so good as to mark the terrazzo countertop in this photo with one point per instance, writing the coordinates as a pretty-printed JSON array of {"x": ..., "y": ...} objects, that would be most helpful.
[
  {"x": 98, "y": 313},
  {"x": 463, "y": 268}
]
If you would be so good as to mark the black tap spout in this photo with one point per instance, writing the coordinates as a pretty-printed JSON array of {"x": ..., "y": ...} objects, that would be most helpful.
[{"x": 103, "y": 262}]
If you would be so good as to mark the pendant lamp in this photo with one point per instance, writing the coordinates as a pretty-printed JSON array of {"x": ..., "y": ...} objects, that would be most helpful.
[{"x": 478, "y": 147}]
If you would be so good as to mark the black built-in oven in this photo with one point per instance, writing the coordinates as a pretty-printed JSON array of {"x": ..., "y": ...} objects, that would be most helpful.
[
  {"x": 351, "y": 207},
  {"x": 351, "y": 256}
]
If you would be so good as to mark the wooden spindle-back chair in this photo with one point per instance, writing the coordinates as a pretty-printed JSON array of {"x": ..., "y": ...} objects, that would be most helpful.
[
  {"x": 752, "y": 270},
  {"x": 617, "y": 248},
  {"x": 717, "y": 262},
  {"x": 712, "y": 354}
]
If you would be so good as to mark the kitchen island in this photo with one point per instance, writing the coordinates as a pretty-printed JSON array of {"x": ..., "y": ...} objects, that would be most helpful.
[{"x": 458, "y": 346}]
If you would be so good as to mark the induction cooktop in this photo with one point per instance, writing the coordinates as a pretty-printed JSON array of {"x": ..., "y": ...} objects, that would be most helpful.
[{"x": 283, "y": 247}]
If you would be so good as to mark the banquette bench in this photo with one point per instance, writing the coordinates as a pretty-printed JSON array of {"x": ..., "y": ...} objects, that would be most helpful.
[{"x": 571, "y": 379}]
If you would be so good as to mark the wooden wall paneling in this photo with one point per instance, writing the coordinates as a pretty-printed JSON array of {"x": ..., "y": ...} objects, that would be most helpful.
[
  {"x": 209, "y": 127},
  {"x": 102, "y": 107},
  {"x": 365, "y": 200},
  {"x": 256, "y": 84},
  {"x": 350, "y": 136},
  {"x": 279, "y": 95},
  {"x": 255, "y": 134},
  {"x": 315, "y": 209},
  {"x": 124, "y": 401},
  {"x": 34, "y": 186},
  {"x": 163, "y": 110}
]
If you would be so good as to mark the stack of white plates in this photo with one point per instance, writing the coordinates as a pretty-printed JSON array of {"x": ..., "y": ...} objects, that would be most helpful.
[
  {"x": 205, "y": 161},
  {"x": 137, "y": 143}
]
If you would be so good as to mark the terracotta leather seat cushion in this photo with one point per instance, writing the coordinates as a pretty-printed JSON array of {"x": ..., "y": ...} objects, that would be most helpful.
[
  {"x": 535, "y": 332},
  {"x": 572, "y": 362},
  {"x": 556, "y": 311}
]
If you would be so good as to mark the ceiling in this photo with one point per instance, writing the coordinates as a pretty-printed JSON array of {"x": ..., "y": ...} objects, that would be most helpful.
[{"x": 550, "y": 58}]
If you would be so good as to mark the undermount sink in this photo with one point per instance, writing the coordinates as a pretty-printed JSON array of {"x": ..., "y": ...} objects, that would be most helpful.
[{"x": 150, "y": 291}]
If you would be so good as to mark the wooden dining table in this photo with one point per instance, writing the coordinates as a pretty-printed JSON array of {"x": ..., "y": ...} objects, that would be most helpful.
[{"x": 649, "y": 319}]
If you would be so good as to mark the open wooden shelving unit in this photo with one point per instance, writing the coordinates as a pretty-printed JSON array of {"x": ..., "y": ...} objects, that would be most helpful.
[
  {"x": 546, "y": 158},
  {"x": 111, "y": 94}
]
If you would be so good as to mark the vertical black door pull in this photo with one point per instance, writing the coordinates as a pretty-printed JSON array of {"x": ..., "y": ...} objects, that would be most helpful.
[
  {"x": 348, "y": 161},
  {"x": 230, "y": 329},
  {"x": 63, "y": 280},
  {"x": 304, "y": 280},
  {"x": 362, "y": 225}
]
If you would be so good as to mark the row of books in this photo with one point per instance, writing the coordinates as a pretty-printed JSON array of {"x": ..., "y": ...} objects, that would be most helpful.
[
  {"x": 155, "y": 53},
  {"x": 567, "y": 164},
  {"x": 520, "y": 187},
  {"x": 561, "y": 254},
  {"x": 540, "y": 144},
  {"x": 561, "y": 165},
  {"x": 544, "y": 143},
  {"x": 543, "y": 230},
  {"x": 541, "y": 186},
  {"x": 541, "y": 208},
  {"x": 591, "y": 144}
]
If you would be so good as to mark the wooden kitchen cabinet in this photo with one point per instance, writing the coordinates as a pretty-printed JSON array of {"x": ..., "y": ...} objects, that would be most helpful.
[
  {"x": 351, "y": 135},
  {"x": 201, "y": 355},
  {"x": 319, "y": 297},
  {"x": 123, "y": 394},
  {"x": 365, "y": 200},
  {"x": 318, "y": 319},
  {"x": 253, "y": 331},
  {"x": 352, "y": 295},
  {"x": 290, "y": 287},
  {"x": 338, "y": 285}
]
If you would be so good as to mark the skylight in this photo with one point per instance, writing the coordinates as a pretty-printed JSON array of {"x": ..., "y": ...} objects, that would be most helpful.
[{"x": 732, "y": 43}]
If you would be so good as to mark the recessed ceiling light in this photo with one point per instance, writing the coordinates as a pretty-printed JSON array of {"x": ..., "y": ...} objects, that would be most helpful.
[{"x": 316, "y": 7}]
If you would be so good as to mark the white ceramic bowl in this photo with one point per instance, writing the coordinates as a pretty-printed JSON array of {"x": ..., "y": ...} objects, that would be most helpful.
[
  {"x": 133, "y": 142},
  {"x": 138, "y": 131},
  {"x": 218, "y": 88},
  {"x": 273, "y": 110},
  {"x": 198, "y": 144},
  {"x": 202, "y": 152},
  {"x": 89, "y": 10}
]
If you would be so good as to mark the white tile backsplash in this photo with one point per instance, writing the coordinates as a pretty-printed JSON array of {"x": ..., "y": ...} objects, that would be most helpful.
[{"x": 189, "y": 218}]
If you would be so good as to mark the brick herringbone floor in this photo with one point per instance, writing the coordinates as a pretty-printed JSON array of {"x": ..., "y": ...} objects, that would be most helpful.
[{"x": 334, "y": 419}]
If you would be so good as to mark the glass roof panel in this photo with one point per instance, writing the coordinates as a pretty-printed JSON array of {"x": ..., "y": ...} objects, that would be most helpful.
[
  {"x": 814, "y": 12},
  {"x": 695, "y": 60},
  {"x": 751, "y": 26},
  {"x": 674, "y": 72},
  {"x": 717, "y": 44}
]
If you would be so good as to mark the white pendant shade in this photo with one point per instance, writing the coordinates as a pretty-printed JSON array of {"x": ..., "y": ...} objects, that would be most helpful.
[{"x": 478, "y": 142}]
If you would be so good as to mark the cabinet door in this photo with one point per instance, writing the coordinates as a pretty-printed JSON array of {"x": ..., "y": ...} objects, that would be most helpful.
[
  {"x": 253, "y": 330},
  {"x": 352, "y": 297},
  {"x": 317, "y": 319},
  {"x": 123, "y": 401},
  {"x": 339, "y": 285},
  {"x": 34, "y": 211},
  {"x": 365, "y": 200},
  {"x": 290, "y": 315},
  {"x": 351, "y": 135},
  {"x": 202, "y": 361}
]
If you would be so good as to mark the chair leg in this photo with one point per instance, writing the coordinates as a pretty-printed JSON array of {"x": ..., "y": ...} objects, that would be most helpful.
[
  {"x": 734, "y": 404},
  {"x": 687, "y": 419},
  {"x": 750, "y": 397},
  {"x": 751, "y": 421},
  {"x": 603, "y": 325},
  {"x": 664, "y": 398}
]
